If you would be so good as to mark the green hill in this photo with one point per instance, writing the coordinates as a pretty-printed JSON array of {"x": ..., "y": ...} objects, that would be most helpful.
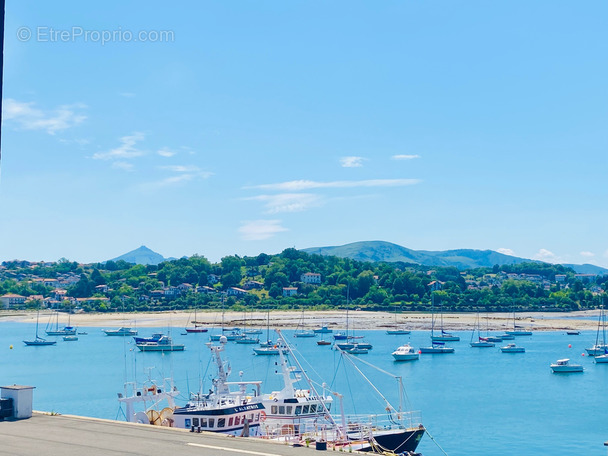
[{"x": 462, "y": 259}]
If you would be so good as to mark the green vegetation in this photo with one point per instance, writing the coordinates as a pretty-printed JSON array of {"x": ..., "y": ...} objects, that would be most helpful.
[{"x": 196, "y": 283}]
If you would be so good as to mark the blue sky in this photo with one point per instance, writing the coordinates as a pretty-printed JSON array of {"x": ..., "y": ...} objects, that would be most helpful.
[{"x": 246, "y": 127}]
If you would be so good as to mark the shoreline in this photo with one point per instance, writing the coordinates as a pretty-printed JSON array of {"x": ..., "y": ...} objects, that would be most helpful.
[{"x": 334, "y": 319}]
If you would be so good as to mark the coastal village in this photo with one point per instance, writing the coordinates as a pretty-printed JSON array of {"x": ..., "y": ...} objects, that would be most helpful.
[{"x": 53, "y": 293}]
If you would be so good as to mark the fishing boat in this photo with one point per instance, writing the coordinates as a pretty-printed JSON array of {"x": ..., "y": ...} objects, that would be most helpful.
[
  {"x": 518, "y": 330},
  {"x": 165, "y": 343},
  {"x": 323, "y": 342},
  {"x": 405, "y": 353},
  {"x": 38, "y": 341},
  {"x": 601, "y": 344},
  {"x": 53, "y": 329},
  {"x": 123, "y": 331},
  {"x": 237, "y": 413},
  {"x": 149, "y": 403},
  {"x": 288, "y": 410},
  {"x": 512, "y": 348},
  {"x": 70, "y": 338},
  {"x": 564, "y": 366},
  {"x": 323, "y": 330},
  {"x": 436, "y": 348},
  {"x": 396, "y": 431}
]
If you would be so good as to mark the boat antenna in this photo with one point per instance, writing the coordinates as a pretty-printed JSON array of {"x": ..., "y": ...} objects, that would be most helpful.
[
  {"x": 309, "y": 381},
  {"x": 402, "y": 393}
]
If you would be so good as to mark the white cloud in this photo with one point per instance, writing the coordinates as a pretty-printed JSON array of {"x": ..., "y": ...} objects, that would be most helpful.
[
  {"x": 185, "y": 173},
  {"x": 546, "y": 255},
  {"x": 351, "y": 162},
  {"x": 127, "y": 94},
  {"x": 258, "y": 230},
  {"x": 126, "y": 149},
  {"x": 181, "y": 168},
  {"x": 506, "y": 251},
  {"x": 29, "y": 117},
  {"x": 122, "y": 165},
  {"x": 287, "y": 202},
  {"x": 299, "y": 185},
  {"x": 166, "y": 152},
  {"x": 587, "y": 254},
  {"x": 405, "y": 157}
]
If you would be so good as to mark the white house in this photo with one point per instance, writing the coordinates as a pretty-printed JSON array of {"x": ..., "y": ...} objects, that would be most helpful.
[
  {"x": 290, "y": 291},
  {"x": 234, "y": 291},
  {"x": 311, "y": 277},
  {"x": 10, "y": 300}
]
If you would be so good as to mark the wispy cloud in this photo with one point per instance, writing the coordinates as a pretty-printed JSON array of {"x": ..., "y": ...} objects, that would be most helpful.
[
  {"x": 506, "y": 251},
  {"x": 287, "y": 202},
  {"x": 351, "y": 162},
  {"x": 126, "y": 166},
  {"x": 405, "y": 157},
  {"x": 127, "y": 94},
  {"x": 299, "y": 185},
  {"x": 166, "y": 152},
  {"x": 587, "y": 254},
  {"x": 182, "y": 174},
  {"x": 546, "y": 255},
  {"x": 28, "y": 117},
  {"x": 126, "y": 150},
  {"x": 182, "y": 168},
  {"x": 258, "y": 230}
]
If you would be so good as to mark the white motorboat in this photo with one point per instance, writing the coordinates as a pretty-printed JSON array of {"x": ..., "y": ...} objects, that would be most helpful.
[
  {"x": 564, "y": 366},
  {"x": 124, "y": 331},
  {"x": 405, "y": 353},
  {"x": 165, "y": 343},
  {"x": 512, "y": 348}
]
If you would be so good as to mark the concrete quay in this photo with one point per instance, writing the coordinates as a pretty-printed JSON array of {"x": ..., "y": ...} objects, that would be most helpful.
[{"x": 69, "y": 435}]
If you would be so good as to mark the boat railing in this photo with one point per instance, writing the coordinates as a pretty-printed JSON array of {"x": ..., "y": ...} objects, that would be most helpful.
[
  {"x": 358, "y": 427},
  {"x": 364, "y": 423}
]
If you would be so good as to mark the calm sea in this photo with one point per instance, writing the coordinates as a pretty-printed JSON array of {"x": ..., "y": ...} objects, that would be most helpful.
[{"x": 475, "y": 402}]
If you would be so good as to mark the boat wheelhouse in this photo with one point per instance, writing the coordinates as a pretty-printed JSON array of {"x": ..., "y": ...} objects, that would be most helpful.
[{"x": 222, "y": 410}]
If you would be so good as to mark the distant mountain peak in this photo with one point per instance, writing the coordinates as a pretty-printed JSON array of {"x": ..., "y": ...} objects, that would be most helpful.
[{"x": 141, "y": 255}]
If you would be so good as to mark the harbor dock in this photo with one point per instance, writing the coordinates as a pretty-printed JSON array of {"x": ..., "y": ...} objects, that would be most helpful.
[{"x": 70, "y": 435}]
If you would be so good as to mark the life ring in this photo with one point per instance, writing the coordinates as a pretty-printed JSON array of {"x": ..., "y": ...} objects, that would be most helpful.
[{"x": 262, "y": 415}]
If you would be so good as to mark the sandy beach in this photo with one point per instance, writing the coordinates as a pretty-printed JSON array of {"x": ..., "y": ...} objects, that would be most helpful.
[{"x": 332, "y": 319}]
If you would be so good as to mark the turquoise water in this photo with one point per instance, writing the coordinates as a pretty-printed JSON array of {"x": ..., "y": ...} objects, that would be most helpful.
[{"x": 475, "y": 402}]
